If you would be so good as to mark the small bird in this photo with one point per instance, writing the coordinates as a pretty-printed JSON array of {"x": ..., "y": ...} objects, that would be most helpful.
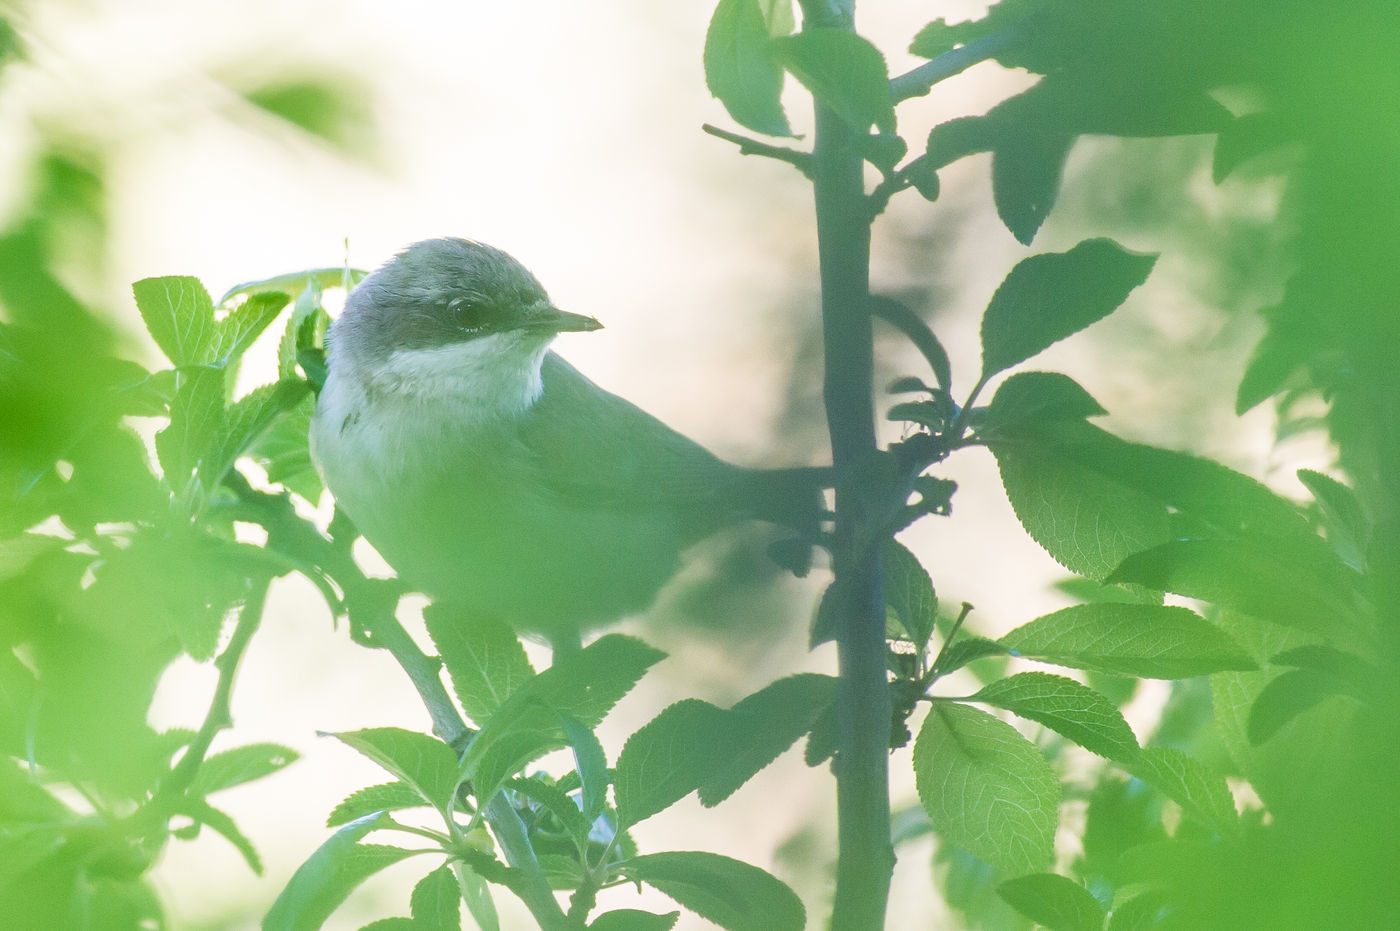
[{"x": 492, "y": 474}]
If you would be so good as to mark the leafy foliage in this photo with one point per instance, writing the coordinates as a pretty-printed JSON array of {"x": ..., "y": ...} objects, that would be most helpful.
[{"x": 114, "y": 563}]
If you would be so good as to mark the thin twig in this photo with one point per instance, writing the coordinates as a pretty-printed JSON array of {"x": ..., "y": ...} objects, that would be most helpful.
[
  {"x": 220, "y": 715},
  {"x": 802, "y": 161},
  {"x": 948, "y": 640},
  {"x": 920, "y": 81},
  {"x": 890, "y": 185},
  {"x": 426, "y": 675}
]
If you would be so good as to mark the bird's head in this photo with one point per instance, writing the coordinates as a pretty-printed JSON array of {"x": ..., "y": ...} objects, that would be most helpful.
[{"x": 450, "y": 317}]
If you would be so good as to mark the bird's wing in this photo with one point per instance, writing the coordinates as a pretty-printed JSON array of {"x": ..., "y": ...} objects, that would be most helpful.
[{"x": 598, "y": 449}]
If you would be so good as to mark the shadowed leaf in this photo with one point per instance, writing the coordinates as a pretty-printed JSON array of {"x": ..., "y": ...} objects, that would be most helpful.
[
  {"x": 986, "y": 788},
  {"x": 740, "y": 69}
]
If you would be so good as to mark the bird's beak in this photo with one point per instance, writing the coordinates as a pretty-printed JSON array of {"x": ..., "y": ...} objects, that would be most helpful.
[{"x": 554, "y": 320}]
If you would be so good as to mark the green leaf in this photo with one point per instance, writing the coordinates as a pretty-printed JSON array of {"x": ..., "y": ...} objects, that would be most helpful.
[
  {"x": 928, "y": 414},
  {"x": 1237, "y": 575},
  {"x": 844, "y": 72},
  {"x": 1026, "y": 171},
  {"x": 909, "y": 593},
  {"x": 909, "y": 384},
  {"x": 1289, "y": 343},
  {"x": 941, "y": 36},
  {"x": 1070, "y": 709},
  {"x": 922, "y": 175},
  {"x": 224, "y": 825},
  {"x": 912, "y": 325},
  {"x": 395, "y": 923},
  {"x": 179, "y": 315},
  {"x": 332, "y": 109},
  {"x": 592, "y": 766},
  {"x": 246, "y": 420},
  {"x": 1211, "y": 495},
  {"x": 730, "y": 893},
  {"x": 1346, "y": 669},
  {"x": 778, "y": 15},
  {"x": 1188, "y": 783},
  {"x": 1140, "y": 913},
  {"x": 585, "y": 685},
  {"x": 1050, "y": 296},
  {"x": 1087, "y": 521},
  {"x": 661, "y": 763},
  {"x": 237, "y": 331},
  {"x": 935, "y": 494},
  {"x": 12, "y": 49},
  {"x": 330, "y": 874},
  {"x": 1083, "y": 102},
  {"x": 304, "y": 337},
  {"x": 197, "y": 425},
  {"x": 967, "y": 650},
  {"x": 1337, "y": 499},
  {"x": 695, "y": 745},
  {"x": 423, "y": 762},
  {"x": 883, "y": 150},
  {"x": 1039, "y": 398},
  {"x": 556, "y": 801},
  {"x": 740, "y": 69},
  {"x": 1054, "y": 901},
  {"x": 759, "y": 728},
  {"x": 391, "y": 796},
  {"x": 239, "y": 765},
  {"x": 1348, "y": 529},
  {"x": 631, "y": 919},
  {"x": 483, "y": 657},
  {"x": 986, "y": 788},
  {"x": 1122, "y": 813},
  {"x": 1148, "y": 641},
  {"x": 436, "y": 902},
  {"x": 1209, "y": 499},
  {"x": 1247, "y": 136},
  {"x": 1284, "y": 698},
  {"x": 958, "y": 138},
  {"x": 338, "y": 276},
  {"x": 22, "y": 799},
  {"x": 283, "y": 452}
]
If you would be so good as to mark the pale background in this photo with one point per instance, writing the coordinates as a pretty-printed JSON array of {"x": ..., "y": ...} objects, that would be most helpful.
[{"x": 569, "y": 134}]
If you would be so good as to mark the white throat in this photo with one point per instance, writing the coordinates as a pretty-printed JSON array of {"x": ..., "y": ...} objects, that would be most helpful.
[
  {"x": 382, "y": 425},
  {"x": 490, "y": 378}
]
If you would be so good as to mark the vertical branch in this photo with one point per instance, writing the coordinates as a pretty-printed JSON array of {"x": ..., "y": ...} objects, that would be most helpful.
[{"x": 865, "y": 858}]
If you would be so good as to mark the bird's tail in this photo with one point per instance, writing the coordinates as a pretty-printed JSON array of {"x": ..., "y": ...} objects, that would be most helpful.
[{"x": 792, "y": 498}]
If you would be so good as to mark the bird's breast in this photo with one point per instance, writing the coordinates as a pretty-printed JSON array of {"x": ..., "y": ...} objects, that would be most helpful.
[{"x": 462, "y": 509}]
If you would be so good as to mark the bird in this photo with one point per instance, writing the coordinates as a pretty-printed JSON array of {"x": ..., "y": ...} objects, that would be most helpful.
[{"x": 492, "y": 474}]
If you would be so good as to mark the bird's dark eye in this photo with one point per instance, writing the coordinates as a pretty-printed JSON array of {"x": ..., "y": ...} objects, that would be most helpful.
[{"x": 464, "y": 313}]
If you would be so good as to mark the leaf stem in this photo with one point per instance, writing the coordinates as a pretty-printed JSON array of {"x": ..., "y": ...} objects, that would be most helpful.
[
  {"x": 219, "y": 716},
  {"x": 920, "y": 81},
  {"x": 959, "y": 425},
  {"x": 802, "y": 161},
  {"x": 948, "y": 640},
  {"x": 534, "y": 889},
  {"x": 892, "y": 183}
]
